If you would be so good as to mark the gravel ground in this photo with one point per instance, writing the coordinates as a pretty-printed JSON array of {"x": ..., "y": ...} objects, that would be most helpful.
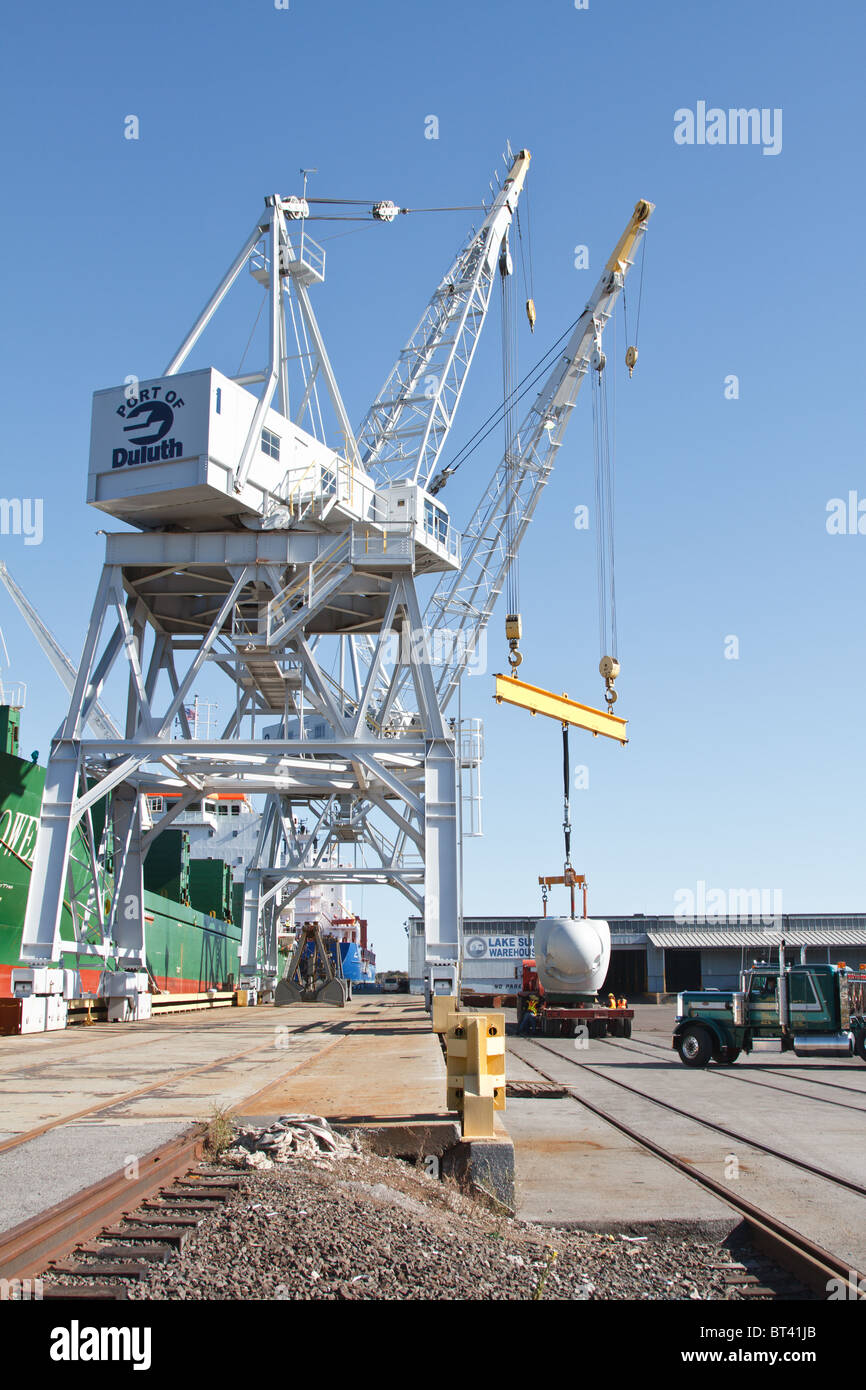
[{"x": 369, "y": 1227}]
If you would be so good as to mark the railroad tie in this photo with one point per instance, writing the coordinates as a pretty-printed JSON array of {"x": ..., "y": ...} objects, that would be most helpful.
[
  {"x": 156, "y": 1254},
  {"x": 172, "y": 1235},
  {"x": 109, "y": 1269},
  {"x": 92, "y": 1292},
  {"x": 176, "y": 1206},
  {"x": 199, "y": 1191},
  {"x": 151, "y": 1235},
  {"x": 226, "y": 1180},
  {"x": 161, "y": 1217}
]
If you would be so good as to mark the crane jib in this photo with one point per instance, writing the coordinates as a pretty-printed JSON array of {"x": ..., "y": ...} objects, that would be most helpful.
[{"x": 467, "y": 599}]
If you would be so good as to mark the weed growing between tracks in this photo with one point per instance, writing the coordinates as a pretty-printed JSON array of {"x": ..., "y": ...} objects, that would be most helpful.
[{"x": 220, "y": 1133}]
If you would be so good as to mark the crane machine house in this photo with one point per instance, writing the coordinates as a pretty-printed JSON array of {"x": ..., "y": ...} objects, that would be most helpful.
[{"x": 165, "y": 453}]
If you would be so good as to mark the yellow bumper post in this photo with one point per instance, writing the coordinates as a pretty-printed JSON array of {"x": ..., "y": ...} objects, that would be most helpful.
[
  {"x": 443, "y": 1006},
  {"x": 475, "y": 1054}
]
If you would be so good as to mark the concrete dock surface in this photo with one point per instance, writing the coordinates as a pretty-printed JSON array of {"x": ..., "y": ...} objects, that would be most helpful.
[
  {"x": 574, "y": 1168},
  {"x": 77, "y": 1106},
  {"x": 93, "y": 1098}
]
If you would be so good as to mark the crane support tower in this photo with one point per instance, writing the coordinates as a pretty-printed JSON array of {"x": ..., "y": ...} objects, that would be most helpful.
[{"x": 276, "y": 545}]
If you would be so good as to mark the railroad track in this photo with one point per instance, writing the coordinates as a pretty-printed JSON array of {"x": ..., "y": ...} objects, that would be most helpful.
[
  {"x": 120, "y": 1228},
  {"x": 729, "y": 1073},
  {"x": 121, "y": 1038},
  {"x": 113, "y": 1036},
  {"x": 168, "y": 1080},
  {"x": 810, "y": 1263},
  {"x": 857, "y": 1188}
]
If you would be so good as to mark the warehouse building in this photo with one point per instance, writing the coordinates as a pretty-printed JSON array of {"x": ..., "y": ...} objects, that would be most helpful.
[{"x": 652, "y": 956}]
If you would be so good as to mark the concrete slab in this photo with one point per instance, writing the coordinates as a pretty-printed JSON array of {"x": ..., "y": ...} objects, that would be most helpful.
[
  {"x": 572, "y": 1166},
  {"x": 485, "y": 1164},
  {"x": 77, "y": 1104},
  {"x": 389, "y": 1066},
  {"x": 177, "y": 1066},
  {"x": 56, "y": 1165}
]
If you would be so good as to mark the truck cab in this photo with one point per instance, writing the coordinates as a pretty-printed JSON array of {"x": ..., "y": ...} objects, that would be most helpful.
[{"x": 805, "y": 1009}]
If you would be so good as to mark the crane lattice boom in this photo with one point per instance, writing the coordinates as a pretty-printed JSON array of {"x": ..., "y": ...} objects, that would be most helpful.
[
  {"x": 406, "y": 428},
  {"x": 462, "y": 604}
]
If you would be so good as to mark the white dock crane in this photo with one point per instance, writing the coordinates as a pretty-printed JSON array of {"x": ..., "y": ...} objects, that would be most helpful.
[{"x": 267, "y": 554}]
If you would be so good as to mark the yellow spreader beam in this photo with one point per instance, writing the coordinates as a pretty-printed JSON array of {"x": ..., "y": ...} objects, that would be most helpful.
[{"x": 538, "y": 701}]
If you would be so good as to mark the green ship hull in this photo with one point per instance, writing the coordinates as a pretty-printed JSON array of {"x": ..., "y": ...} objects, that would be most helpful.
[{"x": 187, "y": 951}]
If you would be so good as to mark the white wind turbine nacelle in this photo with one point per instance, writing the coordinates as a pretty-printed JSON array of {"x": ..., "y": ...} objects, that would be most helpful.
[{"x": 572, "y": 954}]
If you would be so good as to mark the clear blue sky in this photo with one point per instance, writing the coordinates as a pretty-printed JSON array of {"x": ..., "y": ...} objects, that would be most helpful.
[{"x": 744, "y": 773}]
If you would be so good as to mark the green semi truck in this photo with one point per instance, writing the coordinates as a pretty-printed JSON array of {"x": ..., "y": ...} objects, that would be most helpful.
[{"x": 811, "y": 1010}]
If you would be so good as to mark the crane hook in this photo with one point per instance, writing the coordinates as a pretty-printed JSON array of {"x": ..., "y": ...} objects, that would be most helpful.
[
  {"x": 630, "y": 359},
  {"x": 609, "y": 668},
  {"x": 514, "y": 632}
]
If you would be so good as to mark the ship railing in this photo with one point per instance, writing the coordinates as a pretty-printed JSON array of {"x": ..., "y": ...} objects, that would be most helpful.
[{"x": 13, "y": 694}]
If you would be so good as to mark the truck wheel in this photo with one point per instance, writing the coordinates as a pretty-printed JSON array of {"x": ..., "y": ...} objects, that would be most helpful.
[
  {"x": 626, "y": 1027},
  {"x": 728, "y": 1056},
  {"x": 695, "y": 1047},
  {"x": 860, "y": 1044}
]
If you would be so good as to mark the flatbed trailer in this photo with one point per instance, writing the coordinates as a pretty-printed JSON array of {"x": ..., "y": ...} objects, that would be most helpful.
[
  {"x": 555, "y": 1021},
  {"x": 560, "y": 1019}
]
